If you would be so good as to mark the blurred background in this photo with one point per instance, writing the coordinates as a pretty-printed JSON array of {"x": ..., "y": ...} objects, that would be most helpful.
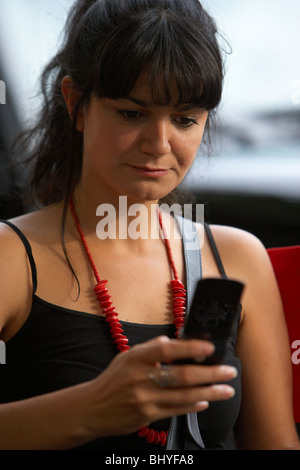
[{"x": 252, "y": 178}]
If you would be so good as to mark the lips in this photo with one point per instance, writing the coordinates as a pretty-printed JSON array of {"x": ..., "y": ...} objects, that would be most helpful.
[
  {"x": 145, "y": 168},
  {"x": 150, "y": 172}
]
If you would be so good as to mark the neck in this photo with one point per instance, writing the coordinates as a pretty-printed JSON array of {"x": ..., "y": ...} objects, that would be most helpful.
[{"x": 118, "y": 219}]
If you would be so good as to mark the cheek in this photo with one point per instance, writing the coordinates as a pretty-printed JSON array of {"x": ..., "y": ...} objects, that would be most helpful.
[
  {"x": 108, "y": 141},
  {"x": 187, "y": 151},
  {"x": 193, "y": 143}
]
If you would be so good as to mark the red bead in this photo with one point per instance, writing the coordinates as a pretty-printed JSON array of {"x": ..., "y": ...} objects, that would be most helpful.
[
  {"x": 143, "y": 431},
  {"x": 178, "y": 316},
  {"x": 100, "y": 286},
  {"x": 156, "y": 437},
  {"x": 109, "y": 310},
  {"x": 179, "y": 305},
  {"x": 116, "y": 329},
  {"x": 118, "y": 335},
  {"x": 178, "y": 313},
  {"x": 120, "y": 341},
  {"x": 179, "y": 301},
  {"x": 102, "y": 294},
  {"x": 106, "y": 304},
  {"x": 179, "y": 295},
  {"x": 102, "y": 297},
  {"x": 111, "y": 319},
  {"x": 178, "y": 310},
  {"x": 150, "y": 436},
  {"x": 178, "y": 287},
  {"x": 176, "y": 282},
  {"x": 163, "y": 437}
]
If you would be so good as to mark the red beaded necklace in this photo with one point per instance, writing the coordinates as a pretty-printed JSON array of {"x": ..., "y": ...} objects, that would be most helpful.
[{"x": 111, "y": 316}]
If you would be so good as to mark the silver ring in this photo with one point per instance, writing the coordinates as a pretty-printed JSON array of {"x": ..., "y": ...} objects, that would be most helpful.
[{"x": 162, "y": 376}]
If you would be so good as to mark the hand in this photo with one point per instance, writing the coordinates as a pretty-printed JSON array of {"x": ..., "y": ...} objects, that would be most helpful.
[{"x": 129, "y": 395}]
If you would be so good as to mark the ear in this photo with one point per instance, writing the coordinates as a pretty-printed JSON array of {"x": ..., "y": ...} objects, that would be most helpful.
[{"x": 71, "y": 96}]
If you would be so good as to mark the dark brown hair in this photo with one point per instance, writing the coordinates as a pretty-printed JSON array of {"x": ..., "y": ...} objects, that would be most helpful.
[{"x": 107, "y": 43}]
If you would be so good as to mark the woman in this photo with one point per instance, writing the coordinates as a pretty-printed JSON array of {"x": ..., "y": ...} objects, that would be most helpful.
[{"x": 127, "y": 100}]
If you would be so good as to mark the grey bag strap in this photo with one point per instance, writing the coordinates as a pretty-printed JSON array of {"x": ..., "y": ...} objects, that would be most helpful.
[
  {"x": 193, "y": 264},
  {"x": 192, "y": 255}
]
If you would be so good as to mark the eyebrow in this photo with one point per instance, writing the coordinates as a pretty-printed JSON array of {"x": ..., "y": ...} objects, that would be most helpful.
[
  {"x": 145, "y": 104},
  {"x": 142, "y": 103}
]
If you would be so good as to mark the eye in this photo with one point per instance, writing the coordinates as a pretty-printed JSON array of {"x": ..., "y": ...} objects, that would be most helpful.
[
  {"x": 185, "y": 122},
  {"x": 129, "y": 115}
]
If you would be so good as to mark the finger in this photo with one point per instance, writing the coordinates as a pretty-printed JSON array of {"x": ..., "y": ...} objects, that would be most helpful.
[
  {"x": 191, "y": 396},
  {"x": 171, "y": 402},
  {"x": 190, "y": 375},
  {"x": 197, "y": 407},
  {"x": 164, "y": 349}
]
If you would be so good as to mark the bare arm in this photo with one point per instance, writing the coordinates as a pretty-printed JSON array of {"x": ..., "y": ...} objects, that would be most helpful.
[
  {"x": 266, "y": 418},
  {"x": 53, "y": 421}
]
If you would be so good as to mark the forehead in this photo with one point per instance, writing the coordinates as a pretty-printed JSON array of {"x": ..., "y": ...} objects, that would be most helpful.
[
  {"x": 142, "y": 87},
  {"x": 142, "y": 92}
]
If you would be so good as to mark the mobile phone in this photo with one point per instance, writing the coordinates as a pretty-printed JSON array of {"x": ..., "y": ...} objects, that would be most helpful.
[{"x": 215, "y": 309}]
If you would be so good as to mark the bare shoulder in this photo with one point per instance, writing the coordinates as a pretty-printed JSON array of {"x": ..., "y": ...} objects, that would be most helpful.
[
  {"x": 240, "y": 251},
  {"x": 15, "y": 270},
  {"x": 225, "y": 234},
  {"x": 39, "y": 222},
  {"x": 14, "y": 275},
  {"x": 27, "y": 223},
  {"x": 244, "y": 258}
]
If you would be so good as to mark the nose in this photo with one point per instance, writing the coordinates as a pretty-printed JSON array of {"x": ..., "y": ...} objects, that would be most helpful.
[{"x": 156, "y": 138}]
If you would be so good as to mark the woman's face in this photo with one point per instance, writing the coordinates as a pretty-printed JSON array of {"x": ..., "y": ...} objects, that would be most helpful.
[{"x": 137, "y": 149}]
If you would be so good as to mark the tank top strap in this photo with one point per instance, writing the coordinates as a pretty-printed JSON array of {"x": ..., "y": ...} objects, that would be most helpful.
[
  {"x": 28, "y": 251},
  {"x": 215, "y": 250},
  {"x": 192, "y": 255}
]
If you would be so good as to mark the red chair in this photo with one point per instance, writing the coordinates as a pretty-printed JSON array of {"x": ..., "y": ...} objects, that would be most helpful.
[{"x": 286, "y": 264}]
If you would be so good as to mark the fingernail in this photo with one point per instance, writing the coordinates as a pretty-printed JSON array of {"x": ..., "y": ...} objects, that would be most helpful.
[
  {"x": 225, "y": 391},
  {"x": 229, "y": 371},
  {"x": 202, "y": 405},
  {"x": 207, "y": 349},
  {"x": 200, "y": 359}
]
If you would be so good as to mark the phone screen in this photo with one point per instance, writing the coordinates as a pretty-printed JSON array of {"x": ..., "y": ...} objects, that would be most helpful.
[{"x": 214, "y": 310}]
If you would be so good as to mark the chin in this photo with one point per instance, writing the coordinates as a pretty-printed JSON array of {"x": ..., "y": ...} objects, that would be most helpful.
[{"x": 143, "y": 197}]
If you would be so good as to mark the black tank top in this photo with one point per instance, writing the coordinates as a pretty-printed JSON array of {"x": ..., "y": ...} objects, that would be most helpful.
[{"x": 58, "y": 347}]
